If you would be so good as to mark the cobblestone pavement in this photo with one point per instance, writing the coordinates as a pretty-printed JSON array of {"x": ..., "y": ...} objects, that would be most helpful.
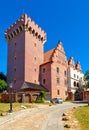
[{"x": 43, "y": 118}]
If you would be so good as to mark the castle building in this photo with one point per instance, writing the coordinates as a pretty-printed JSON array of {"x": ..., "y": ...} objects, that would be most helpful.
[
  {"x": 32, "y": 70},
  {"x": 54, "y": 72},
  {"x": 75, "y": 77}
]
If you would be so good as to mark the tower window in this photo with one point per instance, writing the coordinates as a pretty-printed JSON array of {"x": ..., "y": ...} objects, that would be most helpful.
[
  {"x": 15, "y": 69},
  {"x": 35, "y": 69},
  {"x": 35, "y": 58},
  {"x": 44, "y": 81},
  {"x": 57, "y": 70},
  {"x": 43, "y": 70},
  {"x": 58, "y": 80}
]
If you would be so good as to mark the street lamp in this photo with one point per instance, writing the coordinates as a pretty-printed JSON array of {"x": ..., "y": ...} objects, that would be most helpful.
[{"x": 10, "y": 86}]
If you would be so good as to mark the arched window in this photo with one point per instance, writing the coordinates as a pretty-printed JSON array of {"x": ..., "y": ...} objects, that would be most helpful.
[
  {"x": 74, "y": 83},
  {"x": 77, "y": 84}
]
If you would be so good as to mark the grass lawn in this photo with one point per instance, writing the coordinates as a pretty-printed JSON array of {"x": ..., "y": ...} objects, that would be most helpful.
[
  {"x": 5, "y": 107},
  {"x": 82, "y": 115}
]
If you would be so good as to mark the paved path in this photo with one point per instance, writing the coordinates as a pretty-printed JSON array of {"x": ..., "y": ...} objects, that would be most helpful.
[{"x": 45, "y": 118}]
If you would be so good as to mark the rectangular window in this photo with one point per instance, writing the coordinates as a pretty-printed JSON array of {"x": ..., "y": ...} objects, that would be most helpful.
[
  {"x": 15, "y": 69},
  {"x": 43, "y": 70},
  {"x": 35, "y": 69},
  {"x": 65, "y": 73},
  {"x": 74, "y": 75},
  {"x": 58, "y": 92},
  {"x": 58, "y": 80},
  {"x": 44, "y": 81},
  {"x": 57, "y": 70},
  {"x": 34, "y": 58}
]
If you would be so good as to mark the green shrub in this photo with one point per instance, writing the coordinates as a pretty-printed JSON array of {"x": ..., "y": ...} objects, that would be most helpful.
[{"x": 39, "y": 101}]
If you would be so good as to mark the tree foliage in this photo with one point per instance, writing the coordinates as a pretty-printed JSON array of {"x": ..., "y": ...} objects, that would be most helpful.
[
  {"x": 86, "y": 76},
  {"x": 41, "y": 97},
  {"x": 3, "y": 84},
  {"x": 86, "y": 79},
  {"x": 2, "y": 76}
]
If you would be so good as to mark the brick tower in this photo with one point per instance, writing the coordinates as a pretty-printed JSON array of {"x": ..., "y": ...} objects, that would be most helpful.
[{"x": 25, "y": 51}]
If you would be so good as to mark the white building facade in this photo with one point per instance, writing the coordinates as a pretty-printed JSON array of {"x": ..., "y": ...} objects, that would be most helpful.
[{"x": 75, "y": 76}]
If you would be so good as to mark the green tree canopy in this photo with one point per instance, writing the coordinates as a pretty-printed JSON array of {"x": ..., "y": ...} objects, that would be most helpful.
[
  {"x": 3, "y": 85},
  {"x": 2, "y": 76},
  {"x": 86, "y": 79}
]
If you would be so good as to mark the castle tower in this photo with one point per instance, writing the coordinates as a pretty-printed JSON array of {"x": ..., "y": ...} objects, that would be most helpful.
[
  {"x": 77, "y": 66},
  {"x": 25, "y": 51}
]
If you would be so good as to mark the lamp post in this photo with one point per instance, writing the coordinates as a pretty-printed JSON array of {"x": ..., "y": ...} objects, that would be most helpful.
[{"x": 10, "y": 86}]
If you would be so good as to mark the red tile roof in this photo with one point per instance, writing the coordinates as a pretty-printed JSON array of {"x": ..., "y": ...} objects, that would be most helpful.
[{"x": 48, "y": 56}]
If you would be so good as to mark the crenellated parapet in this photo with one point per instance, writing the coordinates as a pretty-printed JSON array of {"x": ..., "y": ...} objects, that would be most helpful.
[{"x": 25, "y": 23}]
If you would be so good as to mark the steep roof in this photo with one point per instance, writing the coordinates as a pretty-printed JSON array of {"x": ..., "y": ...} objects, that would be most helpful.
[
  {"x": 33, "y": 86},
  {"x": 48, "y": 56}
]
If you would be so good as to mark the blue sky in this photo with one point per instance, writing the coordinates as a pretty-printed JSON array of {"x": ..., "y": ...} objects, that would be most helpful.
[{"x": 65, "y": 20}]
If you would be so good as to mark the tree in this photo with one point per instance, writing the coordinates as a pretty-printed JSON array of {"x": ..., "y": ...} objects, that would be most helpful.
[
  {"x": 42, "y": 95},
  {"x": 86, "y": 85},
  {"x": 3, "y": 77},
  {"x": 3, "y": 84},
  {"x": 86, "y": 79}
]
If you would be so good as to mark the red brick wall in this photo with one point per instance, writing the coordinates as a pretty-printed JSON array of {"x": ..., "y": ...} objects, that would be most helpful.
[
  {"x": 85, "y": 95},
  {"x": 32, "y": 64},
  {"x": 61, "y": 86},
  {"x": 16, "y": 50},
  {"x": 46, "y": 75},
  {"x": 22, "y": 50}
]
